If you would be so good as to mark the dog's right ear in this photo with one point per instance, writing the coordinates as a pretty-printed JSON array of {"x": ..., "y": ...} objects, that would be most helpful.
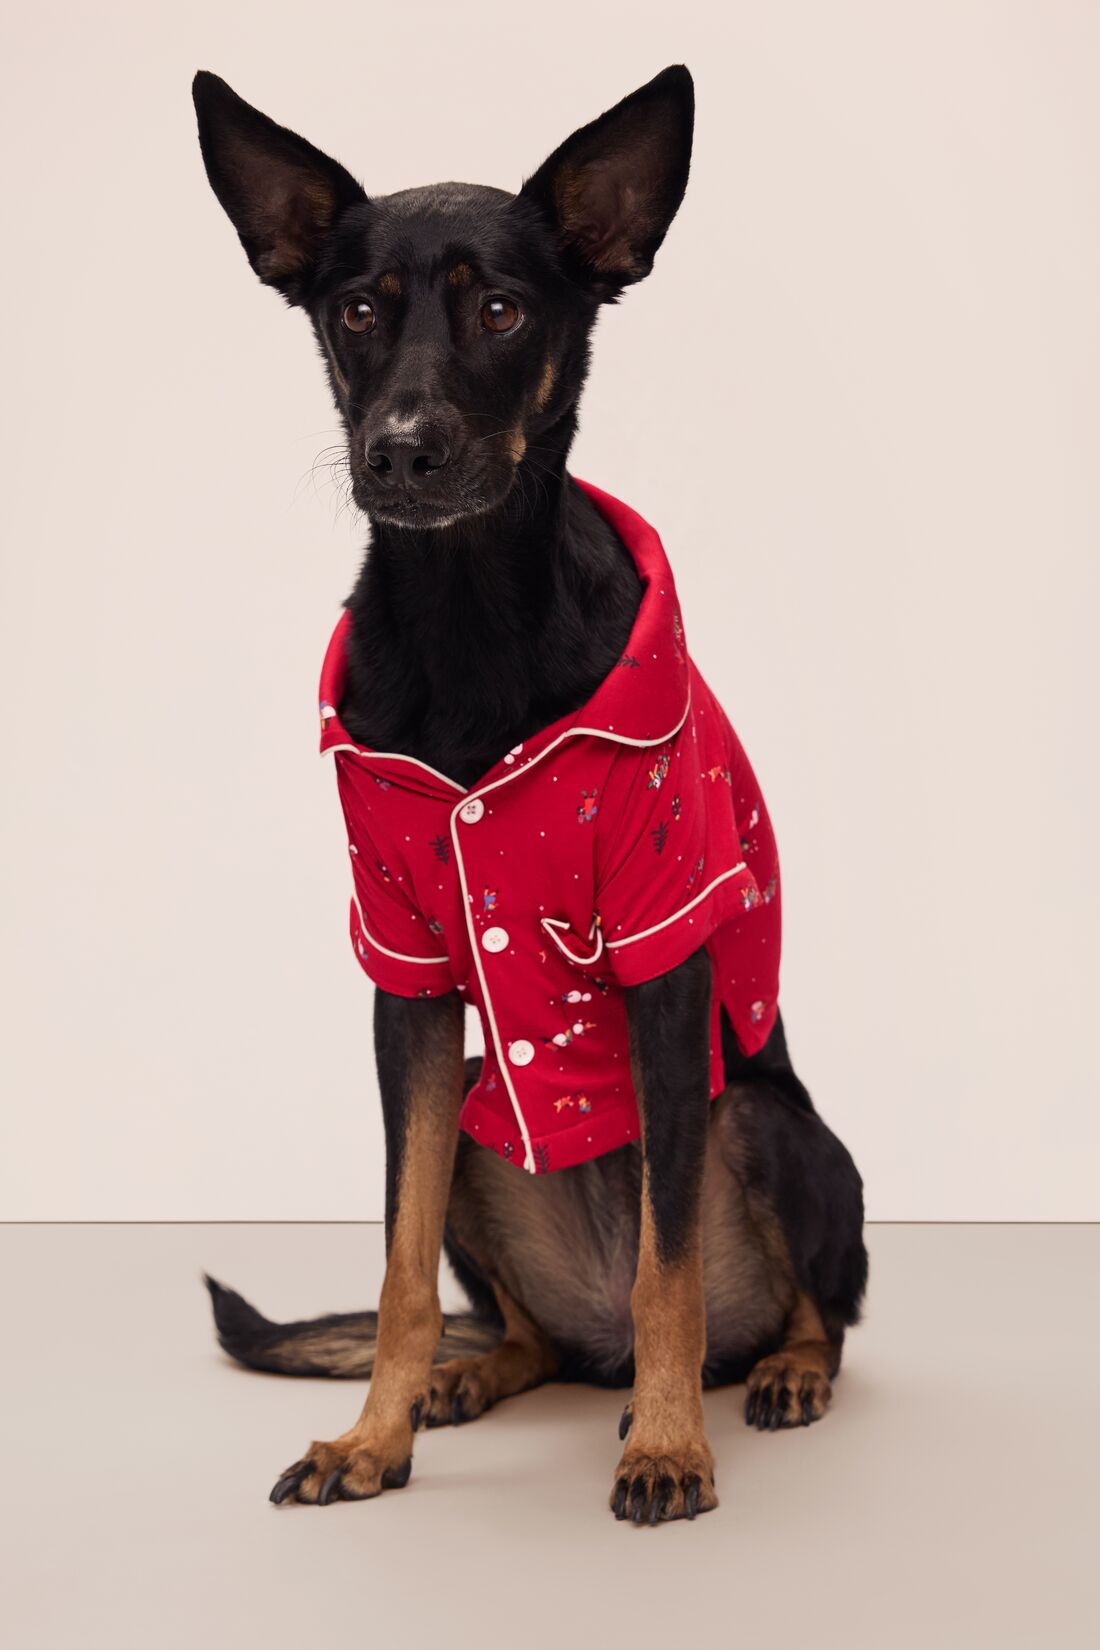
[{"x": 281, "y": 193}]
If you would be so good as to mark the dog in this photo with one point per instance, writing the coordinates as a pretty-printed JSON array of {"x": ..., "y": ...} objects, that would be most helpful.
[{"x": 688, "y": 1219}]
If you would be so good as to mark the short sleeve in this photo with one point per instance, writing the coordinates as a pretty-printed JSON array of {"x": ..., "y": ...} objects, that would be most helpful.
[
  {"x": 670, "y": 868},
  {"x": 397, "y": 946}
]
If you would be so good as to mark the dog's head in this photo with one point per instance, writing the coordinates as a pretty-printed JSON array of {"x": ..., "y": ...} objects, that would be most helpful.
[{"x": 454, "y": 319}]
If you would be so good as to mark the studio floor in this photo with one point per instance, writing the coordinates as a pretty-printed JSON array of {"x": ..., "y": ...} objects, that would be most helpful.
[{"x": 949, "y": 1499}]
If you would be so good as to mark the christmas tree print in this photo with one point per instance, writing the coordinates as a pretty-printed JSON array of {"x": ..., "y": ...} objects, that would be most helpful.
[
  {"x": 659, "y": 837},
  {"x": 441, "y": 848}
]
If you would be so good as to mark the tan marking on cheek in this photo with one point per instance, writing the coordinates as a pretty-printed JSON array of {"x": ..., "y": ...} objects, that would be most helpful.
[
  {"x": 338, "y": 378},
  {"x": 390, "y": 285},
  {"x": 545, "y": 385},
  {"x": 517, "y": 444},
  {"x": 460, "y": 275}
]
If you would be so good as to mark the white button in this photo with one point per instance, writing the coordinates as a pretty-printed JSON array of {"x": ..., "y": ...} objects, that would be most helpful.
[
  {"x": 470, "y": 812},
  {"x": 495, "y": 939},
  {"x": 521, "y": 1053}
]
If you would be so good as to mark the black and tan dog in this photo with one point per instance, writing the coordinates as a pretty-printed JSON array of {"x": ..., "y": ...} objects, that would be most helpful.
[{"x": 729, "y": 1246}]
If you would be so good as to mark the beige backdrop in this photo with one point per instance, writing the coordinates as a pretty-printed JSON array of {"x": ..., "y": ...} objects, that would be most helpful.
[{"x": 859, "y": 399}]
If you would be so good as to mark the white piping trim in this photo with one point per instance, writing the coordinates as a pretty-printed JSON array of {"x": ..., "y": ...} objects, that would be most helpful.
[
  {"x": 395, "y": 756},
  {"x": 613, "y": 945},
  {"x": 398, "y": 956},
  {"x": 551, "y": 924},
  {"x": 591, "y": 733},
  {"x": 618, "y": 738}
]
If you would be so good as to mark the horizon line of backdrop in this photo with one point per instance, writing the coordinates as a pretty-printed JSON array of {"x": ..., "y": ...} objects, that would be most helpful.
[{"x": 858, "y": 397}]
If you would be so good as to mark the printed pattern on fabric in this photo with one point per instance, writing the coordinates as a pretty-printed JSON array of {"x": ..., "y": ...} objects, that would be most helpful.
[{"x": 596, "y": 855}]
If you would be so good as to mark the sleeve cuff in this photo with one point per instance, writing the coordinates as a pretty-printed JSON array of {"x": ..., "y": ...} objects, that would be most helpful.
[
  {"x": 402, "y": 976},
  {"x": 658, "y": 947}
]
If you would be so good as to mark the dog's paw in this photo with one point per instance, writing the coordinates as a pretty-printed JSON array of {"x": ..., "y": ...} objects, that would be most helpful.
[
  {"x": 785, "y": 1391},
  {"x": 652, "y": 1489},
  {"x": 345, "y": 1470},
  {"x": 461, "y": 1390}
]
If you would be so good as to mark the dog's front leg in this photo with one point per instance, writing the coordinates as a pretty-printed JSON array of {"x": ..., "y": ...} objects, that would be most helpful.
[
  {"x": 667, "y": 1470},
  {"x": 418, "y": 1043}
]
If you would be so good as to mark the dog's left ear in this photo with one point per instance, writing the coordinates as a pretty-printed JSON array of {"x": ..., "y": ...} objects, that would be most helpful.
[{"x": 613, "y": 188}]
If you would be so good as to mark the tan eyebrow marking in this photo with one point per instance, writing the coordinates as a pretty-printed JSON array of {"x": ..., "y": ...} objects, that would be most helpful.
[
  {"x": 390, "y": 284},
  {"x": 460, "y": 275},
  {"x": 517, "y": 444}
]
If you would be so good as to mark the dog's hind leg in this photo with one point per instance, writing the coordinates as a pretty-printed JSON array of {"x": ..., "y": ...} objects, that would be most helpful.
[
  {"x": 524, "y": 1356},
  {"x": 791, "y": 1387},
  {"x": 463, "y": 1388},
  {"x": 805, "y": 1197}
]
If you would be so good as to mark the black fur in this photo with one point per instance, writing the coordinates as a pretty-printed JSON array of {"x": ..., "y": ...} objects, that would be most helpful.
[
  {"x": 407, "y": 1034},
  {"x": 670, "y": 1052},
  {"x": 455, "y": 658}
]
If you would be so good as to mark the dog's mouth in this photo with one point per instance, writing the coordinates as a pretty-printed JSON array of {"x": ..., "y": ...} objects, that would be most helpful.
[
  {"x": 437, "y": 503},
  {"x": 412, "y": 511}
]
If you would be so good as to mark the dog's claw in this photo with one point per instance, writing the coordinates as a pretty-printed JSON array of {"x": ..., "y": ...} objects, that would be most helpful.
[
  {"x": 691, "y": 1498},
  {"x": 751, "y": 1403},
  {"x": 395, "y": 1478},
  {"x": 626, "y": 1420},
  {"x": 330, "y": 1489},
  {"x": 619, "y": 1505},
  {"x": 289, "y": 1481}
]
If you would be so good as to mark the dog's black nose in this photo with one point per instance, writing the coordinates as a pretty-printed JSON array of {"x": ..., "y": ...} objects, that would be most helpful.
[{"x": 408, "y": 459}]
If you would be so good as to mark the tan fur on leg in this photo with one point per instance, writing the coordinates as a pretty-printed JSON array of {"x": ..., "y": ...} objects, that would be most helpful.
[
  {"x": 666, "y": 1470},
  {"x": 376, "y": 1453}
]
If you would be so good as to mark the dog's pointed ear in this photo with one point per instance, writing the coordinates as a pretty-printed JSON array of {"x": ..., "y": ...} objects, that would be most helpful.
[
  {"x": 612, "y": 189},
  {"x": 281, "y": 193}
]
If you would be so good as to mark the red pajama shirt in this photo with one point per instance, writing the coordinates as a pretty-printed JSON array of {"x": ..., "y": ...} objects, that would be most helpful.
[{"x": 599, "y": 853}]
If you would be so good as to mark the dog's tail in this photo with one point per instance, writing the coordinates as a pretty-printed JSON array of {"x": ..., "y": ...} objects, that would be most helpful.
[{"x": 342, "y": 1345}]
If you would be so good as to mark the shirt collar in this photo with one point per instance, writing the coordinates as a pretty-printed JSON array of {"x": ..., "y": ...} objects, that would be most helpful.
[
  {"x": 642, "y": 701},
  {"x": 644, "y": 697}
]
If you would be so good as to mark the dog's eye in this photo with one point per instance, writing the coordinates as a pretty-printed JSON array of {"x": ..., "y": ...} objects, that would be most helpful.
[
  {"x": 499, "y": 315},
  {"x": 359, "y": 316}
]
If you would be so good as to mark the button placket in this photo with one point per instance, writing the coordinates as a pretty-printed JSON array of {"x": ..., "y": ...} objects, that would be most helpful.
[{"x": 493, "y": 941}]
